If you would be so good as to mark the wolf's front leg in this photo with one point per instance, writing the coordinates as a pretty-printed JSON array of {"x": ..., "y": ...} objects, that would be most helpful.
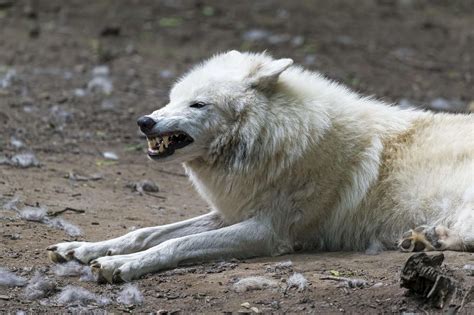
[
  {"x": 135, "y": 241},
  {"x": 246, "y": 239}
]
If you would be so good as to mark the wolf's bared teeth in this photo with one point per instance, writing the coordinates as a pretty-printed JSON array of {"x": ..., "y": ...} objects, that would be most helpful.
[
  {"x": 161, "y": 147},
  {"x": 166, "y": 141},
  {"x": 151, "y": 143}
]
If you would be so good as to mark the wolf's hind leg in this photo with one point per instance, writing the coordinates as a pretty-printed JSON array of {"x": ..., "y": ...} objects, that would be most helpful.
[{"x": 429, "y": 238}]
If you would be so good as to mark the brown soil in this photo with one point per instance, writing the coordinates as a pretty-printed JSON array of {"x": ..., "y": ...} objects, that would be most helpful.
[{"x": 413, "y": 50}]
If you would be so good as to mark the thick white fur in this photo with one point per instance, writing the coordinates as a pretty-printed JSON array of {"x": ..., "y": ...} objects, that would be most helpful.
[{"x": 288, "y": 159}]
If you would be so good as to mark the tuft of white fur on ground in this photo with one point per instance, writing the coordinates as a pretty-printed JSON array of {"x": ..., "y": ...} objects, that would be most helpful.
[
  {"x": 36, "y": 214},
  {"x": 375, "y": 248},
  {"x": 74, "y": 295},
  {"x": 130, "y": 295},
  {"x": 69, "y": 269},
  {"x": 39, "y": 214},
  {"x": 297, "y": 280},
  {"x": 39, "y": 287},
  {"x": 12, "y": 205},
  {"x": 69, "y": 228},
  {"x": 9, "y": 279},
  {"x": 87, "y": 275},
  {"x": 74, "y": 269},
  {"x": 254, "y": 283}
]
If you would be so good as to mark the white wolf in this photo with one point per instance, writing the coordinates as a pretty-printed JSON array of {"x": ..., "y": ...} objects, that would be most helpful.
[{"x": 289, "y": 160}]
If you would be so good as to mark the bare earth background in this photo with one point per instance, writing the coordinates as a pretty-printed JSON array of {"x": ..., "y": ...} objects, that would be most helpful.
[{"x": 68, "y": 112}]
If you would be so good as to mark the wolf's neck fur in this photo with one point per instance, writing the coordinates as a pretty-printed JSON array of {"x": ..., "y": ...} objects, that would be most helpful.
[{"x": 312, "y": 126}]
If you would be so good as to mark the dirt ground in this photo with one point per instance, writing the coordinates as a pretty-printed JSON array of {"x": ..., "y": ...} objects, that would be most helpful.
[{"x": 68, "y": 112}]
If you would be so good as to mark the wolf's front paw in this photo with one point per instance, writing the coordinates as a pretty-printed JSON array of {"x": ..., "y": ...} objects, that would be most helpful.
[
  {"x": 424, "y": 238},
  {"x": 115, "y": 269},
  {"x": 82, "y": 252}
]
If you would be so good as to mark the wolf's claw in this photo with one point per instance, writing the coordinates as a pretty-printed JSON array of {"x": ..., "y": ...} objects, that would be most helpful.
[
  {"x": 425, "y": 238},
  {"x": 55, "y": 257}
]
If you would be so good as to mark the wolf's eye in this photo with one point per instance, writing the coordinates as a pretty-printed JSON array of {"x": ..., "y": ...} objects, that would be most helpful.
[{"x": 197, "y": 105}]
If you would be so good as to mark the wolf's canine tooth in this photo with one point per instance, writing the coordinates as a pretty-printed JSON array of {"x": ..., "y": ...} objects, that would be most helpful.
[{"x": 166, "y": 141}]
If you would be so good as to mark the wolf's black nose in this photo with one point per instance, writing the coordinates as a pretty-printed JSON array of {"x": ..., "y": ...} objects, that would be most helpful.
[{"x": 146, "y": 123}]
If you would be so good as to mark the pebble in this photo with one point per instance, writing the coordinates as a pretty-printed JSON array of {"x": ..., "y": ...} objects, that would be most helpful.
[
  {"x": 25, "y": 160},
  {"x": 310, "y": 59},
  {"x": 145, "y": 186},
  {"x": 443, "y": 104},
  {"x": 109, "y": 155},
  {"x": 469, "y": 269},
  {"x": 101, "y": 84},
  {"x": 245, "y": 305},
  {"x": 406, "y": 103},
  {"x": 297, "y": 41},
  {"x": 79, "y": 92},
  {"x": 100, "y": 71},
  {"x": 167, "y": 74},
  {"x": 254, "y": 35}
]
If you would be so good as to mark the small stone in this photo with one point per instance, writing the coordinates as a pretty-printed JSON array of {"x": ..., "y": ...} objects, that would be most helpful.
[
  {"x": 109, "y": 155},
  {"x": 442, "y": 104},
  {"x": 297, "y": 41},
  {"x": 310, "y": 59},
  {"x": 79, "y": 92},
  {"x": 469, "y": 269},
  {"x": 255, "y": 310},
  {"x": 4, "y": 297},
  {"x": 25, "y": 160},
  {"x": 110, "y": 30},
  {"x": 255, "y": 35},
  {"x": 13, "y": 237},
  {"x": 166, "y": 74},
  {"x": 406, "y": 103},
  {"x": 146, "y": 186},
  {"x": 245, "y": 305},
  {"x": 278, "y": 39}
]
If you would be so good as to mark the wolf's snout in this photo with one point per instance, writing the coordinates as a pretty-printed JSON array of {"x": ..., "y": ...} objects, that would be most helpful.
[{"x": 146, "y": 124}]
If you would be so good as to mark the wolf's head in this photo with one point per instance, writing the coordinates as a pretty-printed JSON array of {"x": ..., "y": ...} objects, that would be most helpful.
[{"x": 210, "y": 106}]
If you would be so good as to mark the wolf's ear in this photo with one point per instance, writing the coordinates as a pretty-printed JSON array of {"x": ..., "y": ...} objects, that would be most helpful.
[{"x": 266, "y": 75}]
